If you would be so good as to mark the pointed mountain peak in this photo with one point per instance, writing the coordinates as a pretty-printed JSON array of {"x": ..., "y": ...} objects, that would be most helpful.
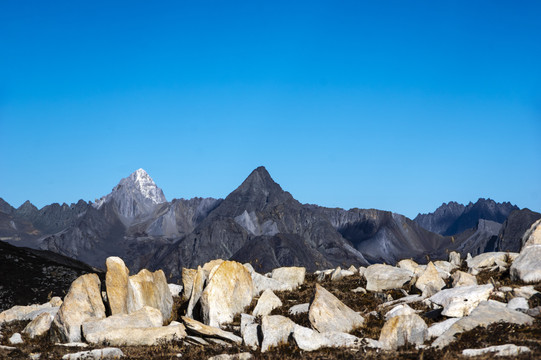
[
  {"x": 257, "y": 192},
  {"x": 140, "y": 181},
  {"x": 27, "y": 205},
  {"x": 5, "y": 207},
  {"x": 135, "y": 196},
  {"x": 259, "y": 180}
]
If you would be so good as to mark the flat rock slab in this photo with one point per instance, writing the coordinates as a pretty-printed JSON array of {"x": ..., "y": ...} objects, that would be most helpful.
[
  {"x": 527, "y": 266},
  {"x": 328, "y": 313},
  {"x": 30, "y": 312},
  {"x": 401, "y": 330},
  {"x": 500, "y": 350},
  {"x": 241, "y": 356},
  {"x": 228, "y": 293},
  {"x": 461, "y": 301},
  {"x": 206, "y": 330},
  {"x": 485, "y": 314},
  {"x": 96, "y": 331},
  {"x": 82, "y": 303},
  {"x": 438, "y": 329},
  {"x": 310, "y": 340},
  {"x": 146, "y": 336},
  {"x": 385, "y": 277},
  {"x": 105, "y": 353},
  {"x": 490, "y": 259}
]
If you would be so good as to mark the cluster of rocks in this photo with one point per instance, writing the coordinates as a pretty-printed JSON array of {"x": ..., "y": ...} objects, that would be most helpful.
[{"x": 137, "y": 310}]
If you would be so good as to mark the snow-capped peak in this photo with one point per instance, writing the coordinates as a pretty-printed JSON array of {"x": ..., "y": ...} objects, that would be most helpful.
[
  {"x": 135, "y": 196},
  {"x": 141, "y": 182}
]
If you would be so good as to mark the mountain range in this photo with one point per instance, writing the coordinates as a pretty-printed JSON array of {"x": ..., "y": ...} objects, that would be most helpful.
[{"x": 258, "y": 222}]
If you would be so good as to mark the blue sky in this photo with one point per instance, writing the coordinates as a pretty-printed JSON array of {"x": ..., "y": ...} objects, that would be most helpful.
[{"x": 387, "y": 104}]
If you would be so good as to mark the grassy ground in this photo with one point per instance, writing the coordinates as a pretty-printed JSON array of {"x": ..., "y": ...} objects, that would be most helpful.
[{"x": 495, "y": 334}]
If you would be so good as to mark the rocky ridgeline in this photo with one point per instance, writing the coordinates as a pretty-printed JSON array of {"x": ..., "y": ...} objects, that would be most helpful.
[{"x": 226, "y": 304}]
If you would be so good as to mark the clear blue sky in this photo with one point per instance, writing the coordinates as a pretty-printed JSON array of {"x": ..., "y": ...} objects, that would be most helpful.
[{"x": 395, "y": 105}]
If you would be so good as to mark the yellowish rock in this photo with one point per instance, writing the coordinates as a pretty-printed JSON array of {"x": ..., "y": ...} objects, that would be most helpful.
[
  {"x": 188, "y": 277},
  {"x": 116, "y": 282},
  {"x": 150, "y": 289},
  {"x": 430, "y": 277},
  {"x": 82, "y": 303},
  {"x": 228, "y": 293},
  {"x": 328, "y": 313}
]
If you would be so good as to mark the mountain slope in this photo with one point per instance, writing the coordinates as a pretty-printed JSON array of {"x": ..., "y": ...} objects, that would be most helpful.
[
  {"x": 260, "y": 209},
  {"x": 32, "y": 276}
]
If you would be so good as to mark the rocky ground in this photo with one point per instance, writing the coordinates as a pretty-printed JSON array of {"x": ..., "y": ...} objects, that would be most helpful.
[{"x": 482, "y": 306}]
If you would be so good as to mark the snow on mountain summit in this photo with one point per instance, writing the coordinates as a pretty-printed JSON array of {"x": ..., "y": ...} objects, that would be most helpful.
[{"x": 135, "y": 196}]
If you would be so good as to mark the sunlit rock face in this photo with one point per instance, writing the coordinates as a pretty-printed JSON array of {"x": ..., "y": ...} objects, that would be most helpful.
[{"x": 134, "y": 197}]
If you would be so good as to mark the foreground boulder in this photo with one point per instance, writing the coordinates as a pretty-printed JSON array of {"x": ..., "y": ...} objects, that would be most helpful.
[
  {"x": 460, "y": 278},
  {"x": 266, "y": 303},
  {"x": 488, "y": 312},
  {"x": 430, "y": 277},
  {"x": 82, "y": 303},
  {"x": 150, "y": 289},
  {"x": 39, "y": 326},
  {"x": 276, "y": 330},
  {"x": 401, "y": 330},
  {"x": 385, "y": 277},
  {"x": 249, "y": 331},
  {"x": 116, "y": 282},
  {"x": 527, "y": 266},
  {"x": 291, "y": 276},
  {"x": 461, "y": 301},
  {"x": 97, "y": 331},
  {"x": 491, "y": 259},
  {"x": 327, "y": 313},
  {"x": 228, "y": 293}
]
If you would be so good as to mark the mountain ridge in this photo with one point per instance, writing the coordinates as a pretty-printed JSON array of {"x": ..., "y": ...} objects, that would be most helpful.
[{"x": 258, "y": 222}]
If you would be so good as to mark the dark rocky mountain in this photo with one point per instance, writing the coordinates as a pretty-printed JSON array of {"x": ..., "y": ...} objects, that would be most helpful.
[
  {"x": 477, "y": 240},
  {"x": 32, "y": 276},
  {"x": 132, "y": 221},
  {"x": 382, "y": 236},
  {"x": 258, "y": 222},
  {"x": 512, "y": 230},
  {"x": 453, "y": 218},
  {"x": 441, "y": 219},
  {"x": 260, "y": 215}
]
